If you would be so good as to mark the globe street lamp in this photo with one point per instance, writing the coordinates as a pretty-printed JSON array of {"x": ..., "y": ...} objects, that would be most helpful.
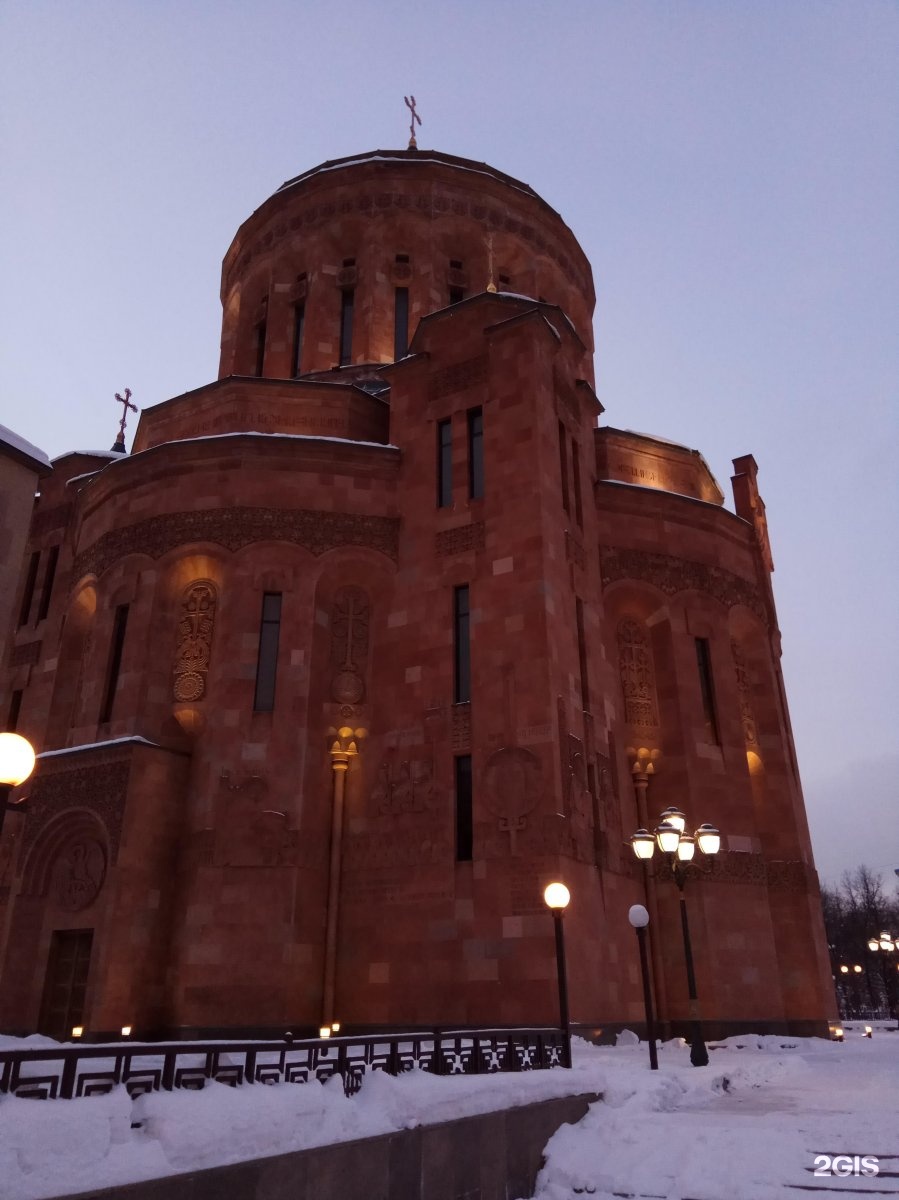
[
  {"x": 557, "y": 897},
  {"x": 679, "y": 849},
  {"x": 16, "y": 764},
  {"x": 887, "y": 943},
  {"x": 639, "y": 919}
]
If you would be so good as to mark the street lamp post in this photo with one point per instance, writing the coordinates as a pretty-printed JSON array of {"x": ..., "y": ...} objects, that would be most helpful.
[
  {"x": 679, "y": 848},
  {"x": 885, "y": 944},
  {"x": 16, "y": 764},
  {"x": 639, "y": 918},
  {"x": 557, "y": 897}
]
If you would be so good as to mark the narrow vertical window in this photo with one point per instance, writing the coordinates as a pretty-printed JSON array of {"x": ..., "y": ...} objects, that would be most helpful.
[
  {"x": 260, "y": 347},
  {"x": 346, "y": 326},
  {"x": 464, "y": 823},
  {"x": 400, "y": 322},
  {"x": 49, "y": 576},
  {"x": 456, "y": 295},
  {"x": 15, "y": 707},
  {"x": 444, "y": 464},
  {"x": 299, "y": 320},
  {"x": 582, "y": 654},
  {"x": 576, "y": 483},
  {"x": 30, "y": 581},
  {"x": 267, "y": 662},
  {"x": 461, "y": 646},
  {"x": 563, "y": 466},
  {"x": 115, "y": 662},
  {"x": 475, "y": 454},
  {"x": 707, "y": 688}
]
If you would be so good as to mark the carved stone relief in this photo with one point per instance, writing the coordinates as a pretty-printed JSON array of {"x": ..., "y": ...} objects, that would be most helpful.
[
  {"x": 747, "y": 716},
  {"x": 510, "y": 788},
  {"x": 78, "y": 874},
  {"x": 672, "y": 575},
  {"x": 100, "y": 787},
  {"x": 637, "y": 675},
  {"x": 460, "y": 539},
  {"x": 349, "y": 645},
  {"x": 235, "y": 528},
  {"x": 403, "y": 787},
  {"x": 194, "y": 641},
  {"x": 248, "y": 833}
]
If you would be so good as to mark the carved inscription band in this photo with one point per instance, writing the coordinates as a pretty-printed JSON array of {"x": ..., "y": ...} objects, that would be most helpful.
[
  {"x": 672, "y": 575},
  {"x": 235, "y": 528}
]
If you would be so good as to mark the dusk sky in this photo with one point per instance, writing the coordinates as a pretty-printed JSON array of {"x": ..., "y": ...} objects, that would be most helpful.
[{"x": 730, "y": 167}]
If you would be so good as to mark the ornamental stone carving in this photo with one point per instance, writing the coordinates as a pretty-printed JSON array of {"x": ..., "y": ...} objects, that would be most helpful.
[
  {"x": 194, "y": 641},
  {"x": 460, "y": 539},
  {"x": 747, "y": 716},
  {"x": 350, "y": 615},
  {"x": 510, "y": 787},
  {"x": 99, "y": 787},
  {"x": 635, "y": 666},
  {"x": 78, "y": 874},
  {"x": 672, "y": 575},
  {"x": 404, "y": 787},
  {"x": 234, "y": 528}
]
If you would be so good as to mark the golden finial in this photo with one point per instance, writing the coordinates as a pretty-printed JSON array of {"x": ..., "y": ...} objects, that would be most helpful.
[
  {"x": 410, "y": 104},
  {"x": 491, "y": 282}
]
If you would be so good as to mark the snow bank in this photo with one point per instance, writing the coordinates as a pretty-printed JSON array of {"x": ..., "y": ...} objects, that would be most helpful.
[{"x": 746, "y": 1127}]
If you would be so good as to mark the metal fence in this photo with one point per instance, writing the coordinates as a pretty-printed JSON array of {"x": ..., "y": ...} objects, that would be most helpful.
[{"x": 65, "y": 1072}]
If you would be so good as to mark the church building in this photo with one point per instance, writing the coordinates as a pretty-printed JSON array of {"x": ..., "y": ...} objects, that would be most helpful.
[{"x": 370, "y": 639}]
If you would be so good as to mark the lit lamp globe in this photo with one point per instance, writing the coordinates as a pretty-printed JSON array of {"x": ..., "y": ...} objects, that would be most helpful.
[
  {"x": 643, "y": 844},
  {"x": 638, "y": 916},
  {"x": 709, "y": 839},
  {"x": 16, "y": 759},
  {"x": 557, "y": 896},
  {"x": 873, "y": 944},
  {"x": 667, "y": 835}
]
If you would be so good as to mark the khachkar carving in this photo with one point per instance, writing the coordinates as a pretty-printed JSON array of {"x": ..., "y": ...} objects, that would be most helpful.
[
  {"x": 747, "y": 716},
  {"x": 349, "y": 645},
  {"x": 405, "y": 787},
  {"x": 234, "y": 528},
  {"x": 637, "y": 675},
  {"x": 78, "y": 874},
  {"x": 510, "y": 787},
  {"x": 672, "y": 575},
  {"x": 195, "y": 627},
  {"x": 100, "y": 787}
]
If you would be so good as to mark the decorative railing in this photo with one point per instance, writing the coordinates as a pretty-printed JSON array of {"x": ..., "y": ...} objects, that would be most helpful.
[{"x": 65, "y": 1072}]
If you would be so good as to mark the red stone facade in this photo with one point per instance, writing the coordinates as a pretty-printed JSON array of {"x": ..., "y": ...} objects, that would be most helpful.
[{"x": 249, "y": 857}]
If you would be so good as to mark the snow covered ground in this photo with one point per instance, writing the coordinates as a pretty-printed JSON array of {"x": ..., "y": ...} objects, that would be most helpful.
[{"x": 747, "y": 1127}]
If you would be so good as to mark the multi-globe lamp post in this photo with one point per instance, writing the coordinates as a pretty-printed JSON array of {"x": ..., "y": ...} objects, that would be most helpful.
[
  {"x": 679, "y": 849},
  {"x": 886, "y": 944}
]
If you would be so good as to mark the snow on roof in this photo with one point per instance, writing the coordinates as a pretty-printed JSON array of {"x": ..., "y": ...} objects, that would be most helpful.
[
  {"x": 525, "y": 189},
  {"x": 665, "y": 491},
  {"x": 24, "y": 447},
  {"x": 120, "y": 741},
  {"x": 653, "y": 437},
  {"x": 110, "y": 454}
]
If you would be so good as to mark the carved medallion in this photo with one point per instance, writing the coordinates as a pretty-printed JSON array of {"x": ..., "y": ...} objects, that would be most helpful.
[
  {"x": 510, "y": 785},
  {"x": 79, "y": 874}
]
